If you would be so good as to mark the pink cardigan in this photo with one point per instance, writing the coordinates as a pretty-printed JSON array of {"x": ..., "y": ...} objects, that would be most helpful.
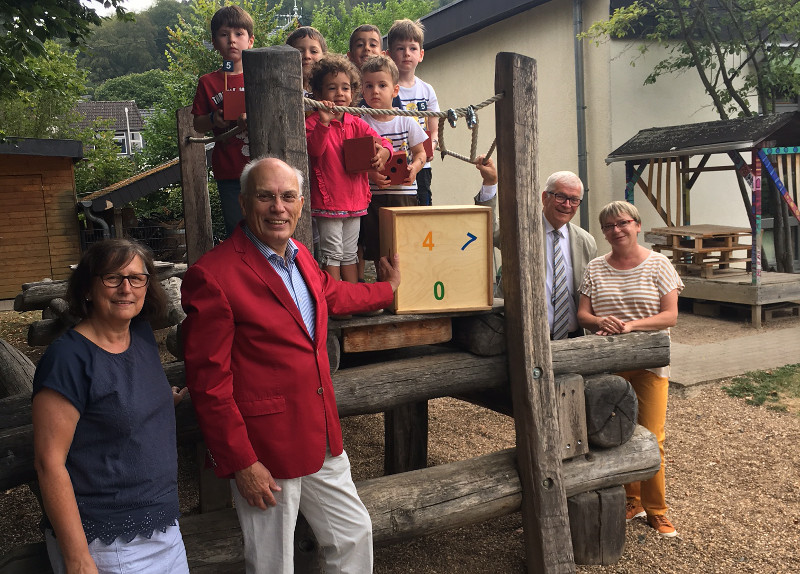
[{"x": 335, "y": 192}]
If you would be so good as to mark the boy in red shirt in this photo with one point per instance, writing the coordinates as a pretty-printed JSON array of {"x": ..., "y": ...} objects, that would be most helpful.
[{"x": 231, "y": 33}]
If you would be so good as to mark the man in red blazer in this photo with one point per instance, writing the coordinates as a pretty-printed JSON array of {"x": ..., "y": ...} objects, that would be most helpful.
[{"x": 257, "y": 370}]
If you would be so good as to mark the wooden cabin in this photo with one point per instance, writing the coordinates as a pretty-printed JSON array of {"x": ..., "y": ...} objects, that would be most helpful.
[{"x": 39, "y": 230}]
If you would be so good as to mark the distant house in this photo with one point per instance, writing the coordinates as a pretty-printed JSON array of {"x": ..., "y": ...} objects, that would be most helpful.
[{"x": 126, "y": 120}]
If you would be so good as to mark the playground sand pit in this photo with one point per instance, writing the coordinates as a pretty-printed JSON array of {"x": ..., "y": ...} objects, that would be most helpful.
[{"x": 732, "y": 484}]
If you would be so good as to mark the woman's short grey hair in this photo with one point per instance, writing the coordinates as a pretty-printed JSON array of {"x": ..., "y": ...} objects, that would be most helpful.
[
  {"x": 617, "y": 208},
  {"x": 560, "y": 178},
  {"x": 254, "y": 162}
]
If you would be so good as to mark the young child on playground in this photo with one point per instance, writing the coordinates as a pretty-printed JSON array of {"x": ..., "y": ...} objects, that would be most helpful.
[
  {"x": 338, "y": 198},
  {"x": 365, "y": 41},
  {"x": 312, "y": 46},
  {"x": 405, "y": 40},
  {"x": 231, "y": 33},
  {"x": 379, "y": 78}
]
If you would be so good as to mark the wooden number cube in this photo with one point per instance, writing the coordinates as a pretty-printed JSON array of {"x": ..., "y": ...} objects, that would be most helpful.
[
  {"x": 428, "y": 145},
  {"x": 396, "y": 169},
  {"x": 232, "y": 105},
  {"x": 445, "y": 257},
  {"x": 358, "y": 153}
]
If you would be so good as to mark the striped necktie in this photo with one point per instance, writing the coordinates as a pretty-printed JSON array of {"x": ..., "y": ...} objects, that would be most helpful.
[{"x": 560, "y": 293}]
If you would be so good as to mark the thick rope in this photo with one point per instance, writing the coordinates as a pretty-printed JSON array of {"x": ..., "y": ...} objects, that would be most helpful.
[
  {"x": 451, "y": 115},
  {"x": 460, "y": 112}
]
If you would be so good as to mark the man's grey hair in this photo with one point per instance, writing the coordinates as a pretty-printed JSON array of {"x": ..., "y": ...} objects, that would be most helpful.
[
  {"x": 562, "y": 177},
  {"x": 254, "y": 162}
]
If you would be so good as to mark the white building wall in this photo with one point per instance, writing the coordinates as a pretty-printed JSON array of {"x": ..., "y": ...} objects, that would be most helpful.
[
  {"x": 618, "y": 105},
  {"x": 674, "y": 100}
]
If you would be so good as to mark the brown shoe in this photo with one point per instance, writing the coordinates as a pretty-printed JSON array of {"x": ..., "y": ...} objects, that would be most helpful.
[
  {"x": 662, "y": 525},
  {"x": 633, "y": 509}
]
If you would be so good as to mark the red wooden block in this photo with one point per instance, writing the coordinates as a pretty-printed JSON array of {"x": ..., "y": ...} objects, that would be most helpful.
[
  {"x": 232, "y": 105},
  {"x": 358, "y": 153},
  {"x": 428, "y": 145},
  {"x": 396, "y": 169}
]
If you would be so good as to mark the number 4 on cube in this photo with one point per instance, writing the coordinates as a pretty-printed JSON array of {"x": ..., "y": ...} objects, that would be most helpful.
[{"x": 445, "y": 257}]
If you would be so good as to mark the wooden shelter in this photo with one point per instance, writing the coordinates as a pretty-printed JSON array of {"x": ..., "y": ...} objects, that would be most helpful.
[
  {"x": 39, "y": 231},
  {"x": 666, "y": 162}
]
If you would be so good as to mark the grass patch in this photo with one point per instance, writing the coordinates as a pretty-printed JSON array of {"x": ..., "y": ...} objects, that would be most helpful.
[{"x": 776, "y": 389}]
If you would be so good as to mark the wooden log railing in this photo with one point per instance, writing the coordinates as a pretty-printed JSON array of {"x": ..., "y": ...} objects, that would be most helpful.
[
  {"x": 403, "y": 506},
  {"x": 375, "y": 388}
]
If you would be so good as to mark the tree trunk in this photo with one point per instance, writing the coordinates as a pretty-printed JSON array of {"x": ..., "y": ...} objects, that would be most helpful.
[{"x": 16, "y": 371}]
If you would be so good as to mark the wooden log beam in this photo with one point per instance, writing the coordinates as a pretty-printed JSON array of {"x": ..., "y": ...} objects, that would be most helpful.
[
  {"x": 544, "y": 514},
  {"x": 273, "y": 82},
  {"x": 194, "y": 188},
  {"x": 377, "y": 388},
  {"x": 36, "y": 296},
  {"x": 437, "y": 499}
]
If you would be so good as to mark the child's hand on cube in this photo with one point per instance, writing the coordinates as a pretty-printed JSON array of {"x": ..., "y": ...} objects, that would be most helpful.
[
  {"x": 242, "y": 121},
  {"x": 379, "y": 179},
  {"x": 382, "y": 155}
]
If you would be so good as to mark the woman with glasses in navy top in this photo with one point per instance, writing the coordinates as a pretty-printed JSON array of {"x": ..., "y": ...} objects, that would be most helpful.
[{"x": 104, "y": 424}]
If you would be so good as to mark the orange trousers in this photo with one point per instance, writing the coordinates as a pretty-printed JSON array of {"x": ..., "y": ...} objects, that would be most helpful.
[{"x": 651, "y": 391}]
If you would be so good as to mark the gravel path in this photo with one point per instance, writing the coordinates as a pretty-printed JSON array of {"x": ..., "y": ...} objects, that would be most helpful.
[{"x": 733, "y": 484}]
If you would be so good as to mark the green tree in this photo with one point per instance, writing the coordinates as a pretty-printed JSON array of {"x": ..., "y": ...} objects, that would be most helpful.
[
  {"x": 120, "y": 47},
  {"x": 337, "y": 22},
  {"x": 146, "y": 88},
  {"x": 102, "y": 165},
  {"x": 43, "y": 110},
  {"x": 738, "y": 49},
  {"x": 26, "y": 26},
  {"x": 191, "y": 55}
]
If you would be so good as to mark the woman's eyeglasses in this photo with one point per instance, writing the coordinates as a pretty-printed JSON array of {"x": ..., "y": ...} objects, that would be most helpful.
[
  {"x": 621, "y": 225},
  {"x": 137, "y": 280}
]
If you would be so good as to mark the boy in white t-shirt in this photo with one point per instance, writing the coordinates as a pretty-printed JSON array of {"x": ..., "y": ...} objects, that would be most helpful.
[
  {"x": 405, "y": 40},
  {"x": 379, "y": 77}
]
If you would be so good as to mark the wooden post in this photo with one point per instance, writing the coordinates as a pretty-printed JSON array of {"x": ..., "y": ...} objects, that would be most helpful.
[
  {"x": 194, "y": 181},
  {"x": 273, "y": 87},
  {"x": 544, "y": 506}
]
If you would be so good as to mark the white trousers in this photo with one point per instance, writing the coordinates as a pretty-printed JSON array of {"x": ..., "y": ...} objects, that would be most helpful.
[
  {"x": 163, "y": 552},
  {"x": 329, "y": 501}
]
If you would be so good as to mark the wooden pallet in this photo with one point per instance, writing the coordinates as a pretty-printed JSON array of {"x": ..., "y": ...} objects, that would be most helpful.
[{"x": 703, "y": 250}]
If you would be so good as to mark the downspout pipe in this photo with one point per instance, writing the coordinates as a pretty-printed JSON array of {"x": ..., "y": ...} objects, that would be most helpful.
[
  {"x": 580, "y": 102},
  {"x": 93, "y": 218}
]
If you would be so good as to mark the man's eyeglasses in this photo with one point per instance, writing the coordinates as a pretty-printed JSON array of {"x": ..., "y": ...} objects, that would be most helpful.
[
  {"x": 137, "y": 280},
  {"x": 561, "y": 198},
  {"x": 286, "y": 197},
  {"x": 621, "y": 225}
]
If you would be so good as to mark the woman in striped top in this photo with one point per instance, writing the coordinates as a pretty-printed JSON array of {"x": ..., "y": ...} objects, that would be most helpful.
[{"x": 635, "y": 289}]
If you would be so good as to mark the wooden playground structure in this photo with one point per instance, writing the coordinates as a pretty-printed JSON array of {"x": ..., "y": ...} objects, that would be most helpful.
[
  {"x": 573, "y": 451},
  {"x": 715, "y": 261}
]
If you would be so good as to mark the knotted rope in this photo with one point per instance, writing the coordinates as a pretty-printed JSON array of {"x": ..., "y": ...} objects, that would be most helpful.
[{"x": 451, "y": 115}]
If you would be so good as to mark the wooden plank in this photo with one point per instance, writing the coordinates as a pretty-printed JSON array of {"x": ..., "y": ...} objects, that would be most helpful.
[
  {"x": 597, "y": 525},
  {"x": 396, "y": 335},
  {"x": 194, "y": 184},
  {"x": 650, "y": 179},
  {"x": 405, "y": 431},
  {"x": 571, "y": 416},
  {"x": 544, "y": 512},
  {"x": 273, "y": 83}
]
